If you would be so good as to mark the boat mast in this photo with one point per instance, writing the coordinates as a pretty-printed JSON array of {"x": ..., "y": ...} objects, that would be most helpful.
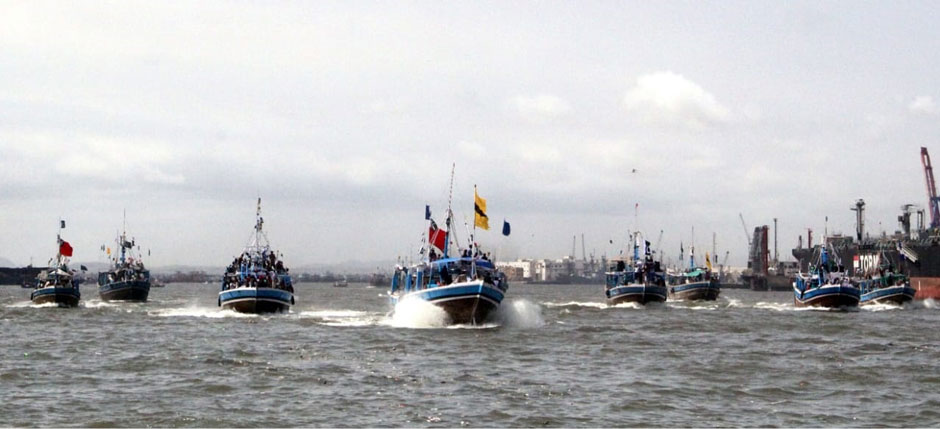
[
  {"x": 58, "y": 240},
  {"x": 123, "y": 237},
  {"x": 447, "y": 222}
]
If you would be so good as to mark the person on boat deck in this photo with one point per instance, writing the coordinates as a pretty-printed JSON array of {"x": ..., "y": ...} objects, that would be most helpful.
[
  {"x": 432, "y": 255},
  {"x": 446, "y": 279}
]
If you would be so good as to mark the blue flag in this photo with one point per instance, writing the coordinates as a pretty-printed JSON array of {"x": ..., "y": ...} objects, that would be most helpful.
[
  {"x": 427, "y": 212},
  {"x": 505, "y": 227}
]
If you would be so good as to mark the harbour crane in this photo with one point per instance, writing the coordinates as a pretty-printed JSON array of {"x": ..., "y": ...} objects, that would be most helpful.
[
  {"x": 933, "y": 202},
  {"x": 744, "y": 225}
]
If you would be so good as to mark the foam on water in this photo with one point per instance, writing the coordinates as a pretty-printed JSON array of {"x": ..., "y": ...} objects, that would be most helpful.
[
  {"x": 351, "y": 318},
  {"x": 590, "y": 304},
  {"x": 29, "y": 304},
  {"x": 417, "y": 313},
  {"x": 633, "y": 305},
  {"x": 929, "y": 303},
  {"x": 519, "y": 313},
  {"x": 98, "y": 304},
  {"x": 210, "y": 312},
  {"x": 880, "y": 307}
]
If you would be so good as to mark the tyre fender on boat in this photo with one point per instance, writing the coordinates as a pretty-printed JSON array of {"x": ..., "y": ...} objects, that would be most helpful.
[
  {"x": 219, "y": 301},
  {"x": 292, "y": 300}
]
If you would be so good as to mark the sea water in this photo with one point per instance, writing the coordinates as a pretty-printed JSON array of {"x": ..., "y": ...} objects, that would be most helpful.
[{"x": 552, "y": 355}]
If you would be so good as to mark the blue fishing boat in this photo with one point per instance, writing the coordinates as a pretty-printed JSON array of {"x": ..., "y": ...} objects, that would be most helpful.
[
  {"x": 695, "y": 283},
  {"x": 826, "y": 285},
  {"x": 469, "y": 288},
  {"x": 257, "y": 281},
  {"x": 58, "y": 284},
  {"x": 126, "y": 279},
  {"x": 886, "y": 286},
  {"x": 639, "y": 280}
]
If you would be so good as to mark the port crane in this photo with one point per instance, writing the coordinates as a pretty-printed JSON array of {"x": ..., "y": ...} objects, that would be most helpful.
[
  {"x": 746, "y": 234},
  {"x": 933, "y": 202}
]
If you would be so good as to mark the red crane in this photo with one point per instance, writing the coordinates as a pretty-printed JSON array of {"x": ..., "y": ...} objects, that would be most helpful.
[{"x": 932, "y": 199}]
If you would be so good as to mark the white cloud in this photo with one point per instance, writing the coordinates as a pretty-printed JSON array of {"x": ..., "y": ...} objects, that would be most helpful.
[
  {"x": 923, "y": 104},
  {"x": 540, "y": 107},
  {"x": 671, "y": 98}
]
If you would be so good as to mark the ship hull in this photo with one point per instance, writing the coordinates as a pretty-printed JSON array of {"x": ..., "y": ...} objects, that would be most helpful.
[
  {"x": 641, "y": 294},
  {"x": 889, "y": 295},
  {"x": 64, "y": 297},
  {"x": 926, "y": 287},
  {"x": 256, "y": 300},
  {"x": 698, "y": 291},
  {"x": 465, "y": 303},
  {"x": 827, "y": 297},
  {"x": 136, "y": 290}
]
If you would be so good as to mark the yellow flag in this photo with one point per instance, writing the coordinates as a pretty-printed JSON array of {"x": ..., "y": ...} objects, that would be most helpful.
[
  {"x": 708, "y": 261},
  {"x": 480, "y": 218},
  {"x": 109, "y": 251}
]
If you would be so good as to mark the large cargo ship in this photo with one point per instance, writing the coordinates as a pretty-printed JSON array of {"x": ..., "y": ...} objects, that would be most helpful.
[{"x": 915, "y": 250}]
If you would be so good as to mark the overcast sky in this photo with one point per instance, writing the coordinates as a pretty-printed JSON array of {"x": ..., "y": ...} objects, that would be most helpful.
[{"x": 346, "y": 117}]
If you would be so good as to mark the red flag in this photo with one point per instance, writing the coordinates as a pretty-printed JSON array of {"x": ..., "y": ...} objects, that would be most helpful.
[
  {"x": 437, "y": 237},
  {"x": 65, "y": 248}
]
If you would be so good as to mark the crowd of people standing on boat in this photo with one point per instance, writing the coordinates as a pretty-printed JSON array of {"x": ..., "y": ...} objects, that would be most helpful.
[{"x": 262, "y": 270}]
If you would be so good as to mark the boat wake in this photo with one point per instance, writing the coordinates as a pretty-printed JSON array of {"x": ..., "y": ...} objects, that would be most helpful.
[
  {"x": 632, "y": 305},
  {"x": 350, "y": 318},
  {"x": 589, "y": 304},
  {"x": 693, "y": 305},
  {"x": 881, "y": 307},
  {"x": 210, "y": 313},
  {"x": 98, "y": 304},
  {"x": 29, "y": 304},
  {"x": 417, "y": 313},
  {"x": 519, "y": 314}
]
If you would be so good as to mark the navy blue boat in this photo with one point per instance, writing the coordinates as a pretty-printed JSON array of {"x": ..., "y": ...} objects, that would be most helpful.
[
  {"x": 827, "y": 285},
  {"x": 257, "y": 281},
  {"x": 468, "y": 289},
  {"x": 695, "y": 283},
  {"x": 127, "y": 279},
  {"x": 58, "y": 284},
  {"x": 636, "y": 280},
  {"x": 887, "y": 287}
]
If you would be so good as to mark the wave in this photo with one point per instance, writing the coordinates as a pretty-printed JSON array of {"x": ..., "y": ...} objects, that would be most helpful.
[
  {"x": 590, "y": 304},
  {"x": 519, "y": 313},
  {"x": 416, "y": 313},
  {"x": 98, "y": 304},
  {"x": 632, "y": 305},
  {"x": 29, "y": 304},
  {"x": 351, "y": 318},
  {"x": 207, "y": 312}
]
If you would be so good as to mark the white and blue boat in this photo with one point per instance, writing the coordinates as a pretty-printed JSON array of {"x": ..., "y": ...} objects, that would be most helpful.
[
  {"x": 885, "y": 286},
  {"x": 257, "y": 281},
  {"x": 639, "y": 280},
  {"x": 126, "y": 279},
  {"x": 57, "y": 284},
  {"x": 826, "y": 285},
  {"x": 695, "y": 283},
  {"x": 469, "y": 288}
]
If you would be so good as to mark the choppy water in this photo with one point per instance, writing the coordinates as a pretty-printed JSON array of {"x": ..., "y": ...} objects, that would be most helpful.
[{"x": 555, "y": 356}]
